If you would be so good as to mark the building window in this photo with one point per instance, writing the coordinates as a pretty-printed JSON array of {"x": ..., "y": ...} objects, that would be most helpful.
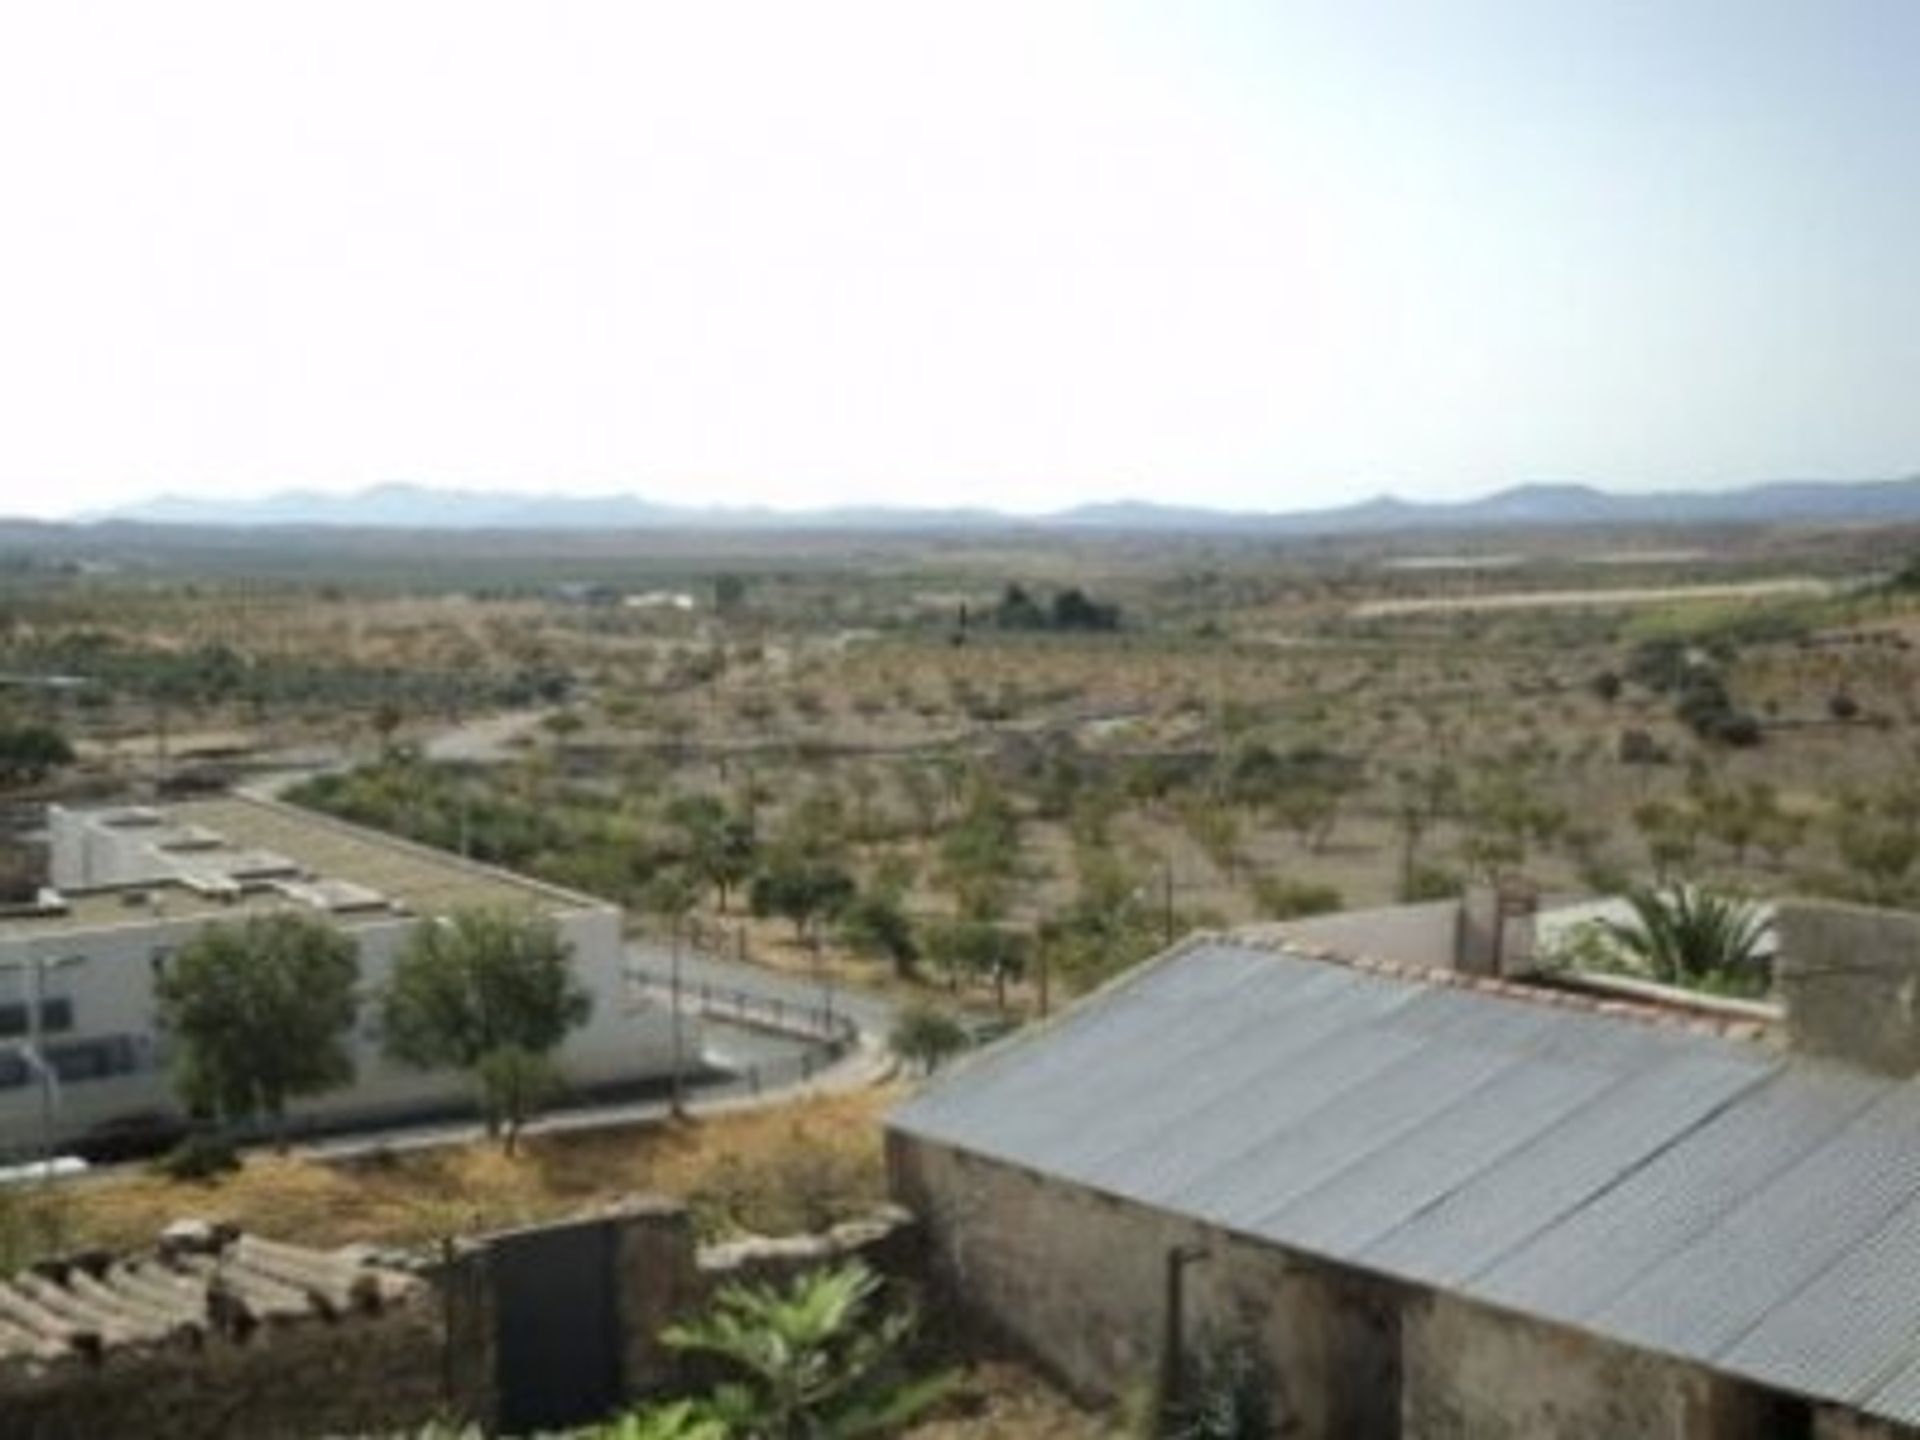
[
  {"x": 56, "y": 1016},
  {"x": 14, "y": 1071},
  {"x": 81, "y": 1060}
]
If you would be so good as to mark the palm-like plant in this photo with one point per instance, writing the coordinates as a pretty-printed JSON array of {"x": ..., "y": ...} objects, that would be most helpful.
[
  {"x": 1685, "y": 934},
  {"x": 816, "y": 1361}
]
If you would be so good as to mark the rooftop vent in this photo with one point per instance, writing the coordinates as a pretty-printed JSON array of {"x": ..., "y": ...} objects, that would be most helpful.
[
  {"x": 336, "y": 897},
  {"x": 190, "y": 838}
]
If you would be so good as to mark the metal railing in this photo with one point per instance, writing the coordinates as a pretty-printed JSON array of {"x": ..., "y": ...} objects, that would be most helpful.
[{"x": 828, "y": 1034}]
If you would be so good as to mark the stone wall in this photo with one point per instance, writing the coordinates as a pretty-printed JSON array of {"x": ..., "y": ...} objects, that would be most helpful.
[
  {"x": 1832, "y": 1424},
  {"x": 357, "y": 1374},
  {"x": 1850, "y": 979},
  {"x": 1078, "y": 1281},
  {"x": 1471, "y": 1373}
]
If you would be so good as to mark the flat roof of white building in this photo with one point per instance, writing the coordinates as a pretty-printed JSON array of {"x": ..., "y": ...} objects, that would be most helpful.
[{"x": 239, "y": 855}]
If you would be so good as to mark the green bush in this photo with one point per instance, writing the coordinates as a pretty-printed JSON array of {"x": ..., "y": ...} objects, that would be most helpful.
[
  {"x": 199, "y": 1158},
  {"x": 1281, "y": 898}
]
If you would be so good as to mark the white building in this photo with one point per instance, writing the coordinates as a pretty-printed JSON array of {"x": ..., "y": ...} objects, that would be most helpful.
[{"x": 131, "y": 885}]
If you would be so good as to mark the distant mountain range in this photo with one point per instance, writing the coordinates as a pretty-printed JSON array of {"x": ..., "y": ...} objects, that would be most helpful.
[{"x": 1540, "y": 506}]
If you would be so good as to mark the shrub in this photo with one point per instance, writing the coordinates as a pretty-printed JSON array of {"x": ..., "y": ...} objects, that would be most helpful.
[
  {"x": 1281, "y": 898},
  {"x": 199, "y": 1158}
]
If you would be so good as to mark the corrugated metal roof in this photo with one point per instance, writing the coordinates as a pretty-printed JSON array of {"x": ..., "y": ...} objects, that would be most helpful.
[{"x": 1678, "y": 1192}]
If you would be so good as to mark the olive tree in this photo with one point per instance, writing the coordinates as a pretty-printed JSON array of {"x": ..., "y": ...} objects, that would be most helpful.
[
  {"x": 259, "y": 1013},
  {"x": 490, "y": 992}
]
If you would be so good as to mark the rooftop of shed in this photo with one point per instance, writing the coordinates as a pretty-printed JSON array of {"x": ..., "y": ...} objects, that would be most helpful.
[{"x": 1656, "y": 1180}]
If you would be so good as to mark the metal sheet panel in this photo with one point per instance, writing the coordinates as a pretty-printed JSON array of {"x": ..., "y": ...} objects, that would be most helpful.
[
  {"x": 1178, "y": 1059},
  {"x": 1899, "y": 1398},
  {"x": 1540, "y": 1184},
  {"x": 1573, "y": 1268},
  {"x": 1703, "y": 1299},
  {"x": 1355, "y": 1207},
  {"x": 1286, "y": 1161},
  {"x": 1850, "y": 1327}
]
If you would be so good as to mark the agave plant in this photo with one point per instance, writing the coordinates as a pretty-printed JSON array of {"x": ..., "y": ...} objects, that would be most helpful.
[
  {"x": 1685, "y": 934},
  {"x": 819, "y": 1360}
]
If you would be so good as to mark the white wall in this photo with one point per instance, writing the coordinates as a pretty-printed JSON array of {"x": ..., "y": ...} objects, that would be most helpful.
[{"x": 111, "y": 989}]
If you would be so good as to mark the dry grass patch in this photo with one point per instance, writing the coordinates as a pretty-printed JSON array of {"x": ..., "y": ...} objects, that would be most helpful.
[
  {"x": 1002, "y": 1400},
  {"x": 809, "y": 1163}
]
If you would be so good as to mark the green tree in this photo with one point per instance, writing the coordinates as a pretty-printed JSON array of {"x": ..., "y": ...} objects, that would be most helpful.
[
  {"x": 490, "y": 992},
  {"x": 980, "y": 950},
  {"x": 876, "y": 923},
  {"x": 719, "y": 847},
  {"x": 980, "y": 854},
  {"x": 260, "y": 1012},
  {"x": 800, "y": 888},
  {"x": 821, "y": 1359},
  {"x": 29, "y": 753},
  {"x": 925, "y": 1037}
]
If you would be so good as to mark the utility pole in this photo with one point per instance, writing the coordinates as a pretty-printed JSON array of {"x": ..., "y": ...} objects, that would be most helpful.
[
  {"x": 679, "y": 1050},
  {"x": 1166, "y": 897}
]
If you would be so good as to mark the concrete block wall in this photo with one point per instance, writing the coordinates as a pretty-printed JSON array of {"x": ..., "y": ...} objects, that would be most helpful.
[
  {"x": 1077, "y": 1281},
  {"x": 1849, "y": 977},
  {"x": 1472, "y": 1373}
]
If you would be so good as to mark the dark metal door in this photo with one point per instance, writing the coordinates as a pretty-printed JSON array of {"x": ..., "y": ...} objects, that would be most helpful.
[{"x": 557, "y": 1340}]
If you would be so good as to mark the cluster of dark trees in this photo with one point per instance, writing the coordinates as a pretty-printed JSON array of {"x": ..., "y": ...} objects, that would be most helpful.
[
  {"x": 30, "y": 752},
  {"x": 1693, "y": 678},
  {"x": 1071, "y": 609}
]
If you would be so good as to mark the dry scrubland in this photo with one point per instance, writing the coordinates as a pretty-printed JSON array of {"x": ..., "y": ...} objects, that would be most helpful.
[
  {"x": 979, "y": 795},
  {"x": 772, "y": 1171},
  {"x": 1268, "y": 729}
]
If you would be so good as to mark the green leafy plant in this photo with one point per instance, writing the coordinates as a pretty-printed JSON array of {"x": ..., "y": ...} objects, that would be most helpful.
[
  {"x": 1686, "y": 935},
  {"x": 1228, "y": 1397},
  {"x": 681, "y": 1420},
  {"x": 818, "y": 1360}
]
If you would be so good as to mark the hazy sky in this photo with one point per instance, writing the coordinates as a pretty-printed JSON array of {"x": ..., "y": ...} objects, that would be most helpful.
[{"x": 1022, "y": 253}]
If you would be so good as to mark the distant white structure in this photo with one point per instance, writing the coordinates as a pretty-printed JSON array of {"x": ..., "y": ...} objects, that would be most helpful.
[{"x": 80, "y": 1049}]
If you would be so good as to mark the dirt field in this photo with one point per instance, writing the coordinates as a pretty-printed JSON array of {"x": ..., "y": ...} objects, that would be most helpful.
[{"x": 1629, "y": 596}]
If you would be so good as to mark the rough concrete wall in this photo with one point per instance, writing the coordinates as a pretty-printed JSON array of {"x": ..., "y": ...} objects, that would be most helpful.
[
  {"x": 1850, "y": 979},
  {"x": 363, "y": 1374},
  {"x": 888, "y": 1242},
  {"x": 1831, "y": 1424},
  {"x": 1077, "y": 1280},
  {"x": 1470, "y": 1373}
]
